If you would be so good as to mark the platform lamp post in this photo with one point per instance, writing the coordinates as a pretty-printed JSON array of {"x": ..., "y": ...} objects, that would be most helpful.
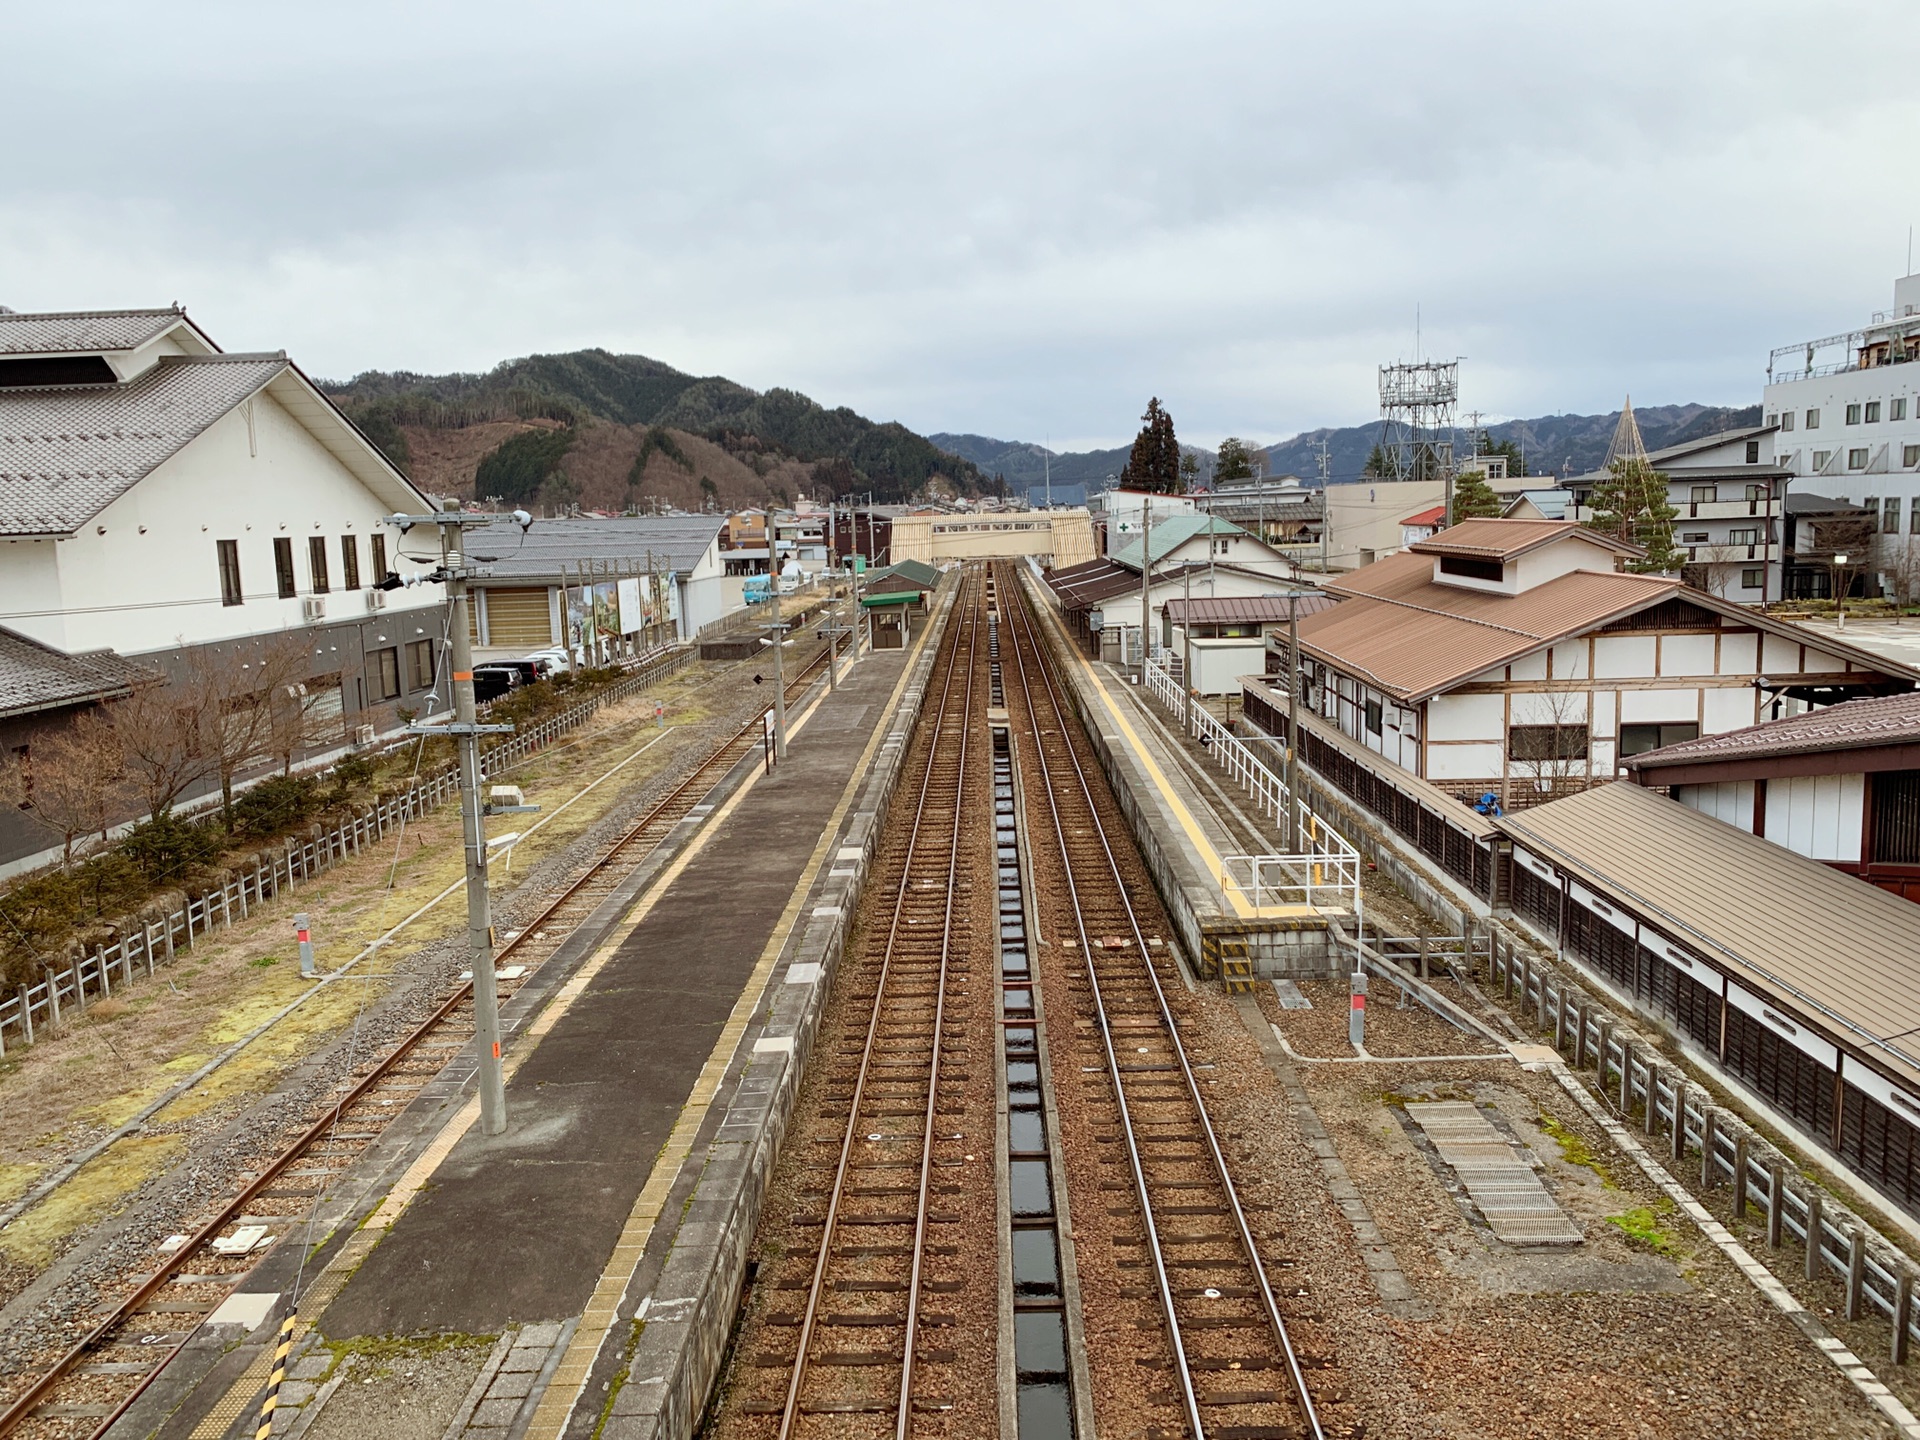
[
  {"x": 454, "y": 572},
  {"x": 778, "y": 632},
  {"x": 1842, "y": 582}
]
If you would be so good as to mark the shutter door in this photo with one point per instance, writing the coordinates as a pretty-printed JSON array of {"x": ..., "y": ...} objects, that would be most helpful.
[{"x": 519, "y": 617}]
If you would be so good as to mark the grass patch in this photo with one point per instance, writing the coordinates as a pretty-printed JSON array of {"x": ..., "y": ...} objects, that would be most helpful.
[
  {"x": 97, "y": 1190},
  {"x": 1574, "y": 1148},
  {"x": 379, "y": 1353},
  {"x": 1643, "y": 1228}
]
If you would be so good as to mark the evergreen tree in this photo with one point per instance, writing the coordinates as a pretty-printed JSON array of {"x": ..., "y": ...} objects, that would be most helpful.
[
  {"x": 1154, "y": 464},
  {"x": 1376, "y": 466},
  {"x": 1631, "y": 505},
  {"x": 1235, "y": 462},
  {"x": 1473, "y": 497},
  {"x": 1190, "y": 470}
]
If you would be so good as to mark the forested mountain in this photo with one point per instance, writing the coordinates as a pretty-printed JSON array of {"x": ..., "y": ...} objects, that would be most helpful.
[
  {"x": 525, "y": 431},
  {"x": 1556, "y": 444}
]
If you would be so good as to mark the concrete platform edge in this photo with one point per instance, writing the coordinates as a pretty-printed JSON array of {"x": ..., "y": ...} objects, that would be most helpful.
[{"x": 687, "y": 1315}]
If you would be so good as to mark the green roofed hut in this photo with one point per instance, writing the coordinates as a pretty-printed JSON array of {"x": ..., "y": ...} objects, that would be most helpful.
[{"x": 893, "y": 596}]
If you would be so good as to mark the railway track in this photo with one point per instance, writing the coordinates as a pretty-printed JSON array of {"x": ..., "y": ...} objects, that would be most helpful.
[
  {"x": 1235, "y": 1368},
  {"x": 871, "y": 1341},
  {"x": 89, "y": 1386}
]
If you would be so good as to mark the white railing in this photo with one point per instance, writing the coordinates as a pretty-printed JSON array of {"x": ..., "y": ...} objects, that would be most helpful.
[
  {"x": 1324, "y": 872},
  {"x": 146, "y": 941}
]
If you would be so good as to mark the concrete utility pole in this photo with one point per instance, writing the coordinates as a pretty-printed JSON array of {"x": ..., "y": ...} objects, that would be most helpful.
[
  {"x": 466, "y": 732},
  {"x": 778, "y": 631},
  {"x": 1146, "y": 573},
  {"x": 1186, "y": 664},
  {"x": 1293, "y": 722}
]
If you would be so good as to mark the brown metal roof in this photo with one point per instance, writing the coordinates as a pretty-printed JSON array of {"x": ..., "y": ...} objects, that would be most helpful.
[
  {"x": 1414, "y": 638},
  {"x": 1082, "y": 586},
  {"x": 1246, "y": 609},
  {"x": 1792, "y": 929},
  {"x": 1498, "y": 538},
  {"x": 1853, "y": 725}
]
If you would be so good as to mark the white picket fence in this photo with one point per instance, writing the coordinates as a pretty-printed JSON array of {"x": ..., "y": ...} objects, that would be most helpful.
[{"x": 147, "y": 943}]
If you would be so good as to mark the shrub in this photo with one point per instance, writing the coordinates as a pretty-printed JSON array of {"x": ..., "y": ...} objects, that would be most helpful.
[
  {"x": 166, "y": 849},
  {"x": 277, "y": 804}
]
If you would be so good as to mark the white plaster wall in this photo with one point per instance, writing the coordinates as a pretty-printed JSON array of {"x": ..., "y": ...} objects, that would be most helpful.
[
  {"x": 152, "y": 581},
  {"x": 1730, "y": 801},
  {"x": 1530, "y": 667},
  {"x": 1778, "y": 656},
  {"x": 1729, "y": 710},
  {"x": 1739, "y": 654},
  {"x": 1567, "y": 707},
  {"x": 1570, "y": 660},
  {"x": 1619, "y": 657},
  {"x": 1466, "y": 717},
  {"x": 1637, "y": 707},
  {"x": 29, "y": 590},
  {"x": 1464, "y": 762},
  {"x": 1818, "y": 816},
  {"x": 1686, "y": 655}
]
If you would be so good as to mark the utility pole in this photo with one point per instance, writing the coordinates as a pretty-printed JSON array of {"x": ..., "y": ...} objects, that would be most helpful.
[
  {"x": 778, "y": 631},
  {"x": 1146, "y": 574},
  {"x": 1186, "y": 664},
  {"x": 1326, "y": 509},
  {"x": 466, "y": 732},
  {"x": 1293, "y": 722}
]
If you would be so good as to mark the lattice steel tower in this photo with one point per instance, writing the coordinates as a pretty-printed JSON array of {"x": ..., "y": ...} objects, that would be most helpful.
[{"x": 1417, "y": 403}]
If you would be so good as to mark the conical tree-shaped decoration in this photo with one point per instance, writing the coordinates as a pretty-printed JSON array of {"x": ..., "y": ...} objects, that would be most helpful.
[
  {"x": 1626, "y": 443},
  {"x": 1631, "y": 503}
]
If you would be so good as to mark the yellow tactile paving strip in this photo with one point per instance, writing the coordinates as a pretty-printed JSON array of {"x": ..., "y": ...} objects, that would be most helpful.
[{"x": 558, "y": 1400}]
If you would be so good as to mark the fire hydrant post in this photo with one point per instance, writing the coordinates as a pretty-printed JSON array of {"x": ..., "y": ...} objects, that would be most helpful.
[
  {"x": 306, "y": 944},
  {"x": 1357, "y": 1014}
]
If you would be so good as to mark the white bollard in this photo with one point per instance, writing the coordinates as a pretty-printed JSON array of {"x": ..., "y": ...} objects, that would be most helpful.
[
  {"x": 306, "y": 944},
  {"x": 1357, "y": 1013}
]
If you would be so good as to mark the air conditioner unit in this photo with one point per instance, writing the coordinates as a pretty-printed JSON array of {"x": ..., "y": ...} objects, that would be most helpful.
[
  {"x": 376, "y": 599},
  {"x": 363, "y": 735},
  {"x": 313, "y": 607}
]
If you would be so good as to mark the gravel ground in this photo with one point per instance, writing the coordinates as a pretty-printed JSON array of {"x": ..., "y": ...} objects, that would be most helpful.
[
  {"x": 400, "y": 1395},
  {"x": 49, "y": 1305}
]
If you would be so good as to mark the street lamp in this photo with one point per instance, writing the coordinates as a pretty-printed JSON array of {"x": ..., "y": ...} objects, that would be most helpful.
[{"x": 1840, "y": 590}]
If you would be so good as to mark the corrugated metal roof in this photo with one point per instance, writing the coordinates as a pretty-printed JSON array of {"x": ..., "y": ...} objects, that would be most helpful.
[
  {"x": 1790, "y": 928},
  {"x": 38, "y": 677},
  {"x": 50, "y": 333},
  {"x": 1171, "y": 533},
  {"x": 676, "y": 542},
  {"x": 1246, "y": 609},
  {"x": 1852, "y": 725},
  {"x": 1499, "y": 538},
  {"x": 1414, "y": 638},
  {"x": 67, "y": 453}
]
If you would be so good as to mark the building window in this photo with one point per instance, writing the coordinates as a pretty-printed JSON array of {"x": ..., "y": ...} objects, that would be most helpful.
[
  {"x": 1753, "y": 577},
  {"x": 1890, "y": 515},
  {"x": 387, "y": 666},
  {"x": 1373, "y": 717},
  {"x": 230, "y": 591},
  {"x": 23, "y": 767},
  {"x": 1757, "y": 495},
  {"x": 350, "y": 562},
  {"x": 1743, "y": 537},
  {"x": 1786, "y": 420},
  {"x": 378, "y": 543},
  {"x": 1705, "y": 494},
  {"x": 1470, "y": 569},
  {"x": 1639, "y": 739},
  {"x": 1853, "y": 414},
  {"x": 1897, "y": 409},
  {"x": 1913, "y": 519},
  {"x": 1909, "y": 456},
  {"x": 1813, "y": 419},
  {"x": 1873, "y": 412},
  {"x": 1753, "y": 452},
  {"x": 1693, "y": 537},
  {"x": 420, "y": 664},
  {"x": 1773, "y": 419},
  {"x": 283, "y": 566},
  {"x": 317, "y": 563},
  {"x": 1857, "y": 458},
  {"x": 1820, "y": 458},
  {"x": 1535, "y": 743}
]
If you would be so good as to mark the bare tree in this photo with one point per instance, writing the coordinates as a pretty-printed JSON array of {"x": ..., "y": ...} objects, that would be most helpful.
[
  {"x": 1712, "y": 567},
  {"x": 1903, "y": 571},
  {"x": 162, "y": 730},
  {"x": 247, "y": 694},
  {"x": 71, "y": 780},
  {"x": 1550, "y": 745}
]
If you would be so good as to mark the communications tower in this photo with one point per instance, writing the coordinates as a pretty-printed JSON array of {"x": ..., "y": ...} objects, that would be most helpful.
[{"x": 1417, "y": 401}]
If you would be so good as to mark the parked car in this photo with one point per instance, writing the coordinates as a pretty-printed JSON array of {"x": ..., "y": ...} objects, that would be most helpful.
[
  {"x": 554, "y": 661},
  {"x": 497, "y": 677}
]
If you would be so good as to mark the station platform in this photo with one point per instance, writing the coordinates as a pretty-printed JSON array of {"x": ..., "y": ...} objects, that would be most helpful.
[
  {"x": 648, "y": 1066},
  {"x": 1193, "y": 825}
]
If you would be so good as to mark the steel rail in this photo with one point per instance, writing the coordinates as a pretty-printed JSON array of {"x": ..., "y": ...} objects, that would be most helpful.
[
  {"x": 724, "y": 756},
  {"x": 1027, "y": 637},
  {"x": 790, "y": 1412}
]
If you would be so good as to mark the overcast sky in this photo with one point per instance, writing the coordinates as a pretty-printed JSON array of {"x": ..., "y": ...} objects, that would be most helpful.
[{"x": 1014, "y": 219}]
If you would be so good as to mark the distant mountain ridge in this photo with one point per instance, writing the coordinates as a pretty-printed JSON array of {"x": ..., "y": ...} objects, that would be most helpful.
[{"x": 1556, "y": 444}]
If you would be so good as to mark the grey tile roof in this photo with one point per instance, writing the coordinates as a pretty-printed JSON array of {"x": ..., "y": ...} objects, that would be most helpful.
[
  {"x": 68, "y": 452},
  {"x": 676, "y": 541},
  {"x": 38, "y": 677},
  {"x": 54, "y": 334}
]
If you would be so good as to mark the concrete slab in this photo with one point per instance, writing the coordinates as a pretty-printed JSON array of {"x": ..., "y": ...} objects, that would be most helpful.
[{"x": 517, "y": 1228}]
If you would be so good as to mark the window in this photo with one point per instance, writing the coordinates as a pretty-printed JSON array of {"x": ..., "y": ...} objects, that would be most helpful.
[
  {"x": 1374, "y": 717},
  {"x": 1757, "y": 495},
  {"x": 1743, "y": 537},
  {"x": 1472, "y": 569},
  {"x": 1813, "y": 419},
  {"x": 1639, "y": 739},
  {"x": 1753, "y": 577},
  {"x": 350, "y": 562},
  {"x": 387, "y": 666},
  {"x": 1820, "y": 458},
  {"x": 1857, "y": 458},
  {"x": 317, "y": 563},
  {"x": 1786, "y": 420},
  {"x": 1547, "y": 742},
  {"x": 1753, "y": 452},
  {"x": 283, "y": 566},
  {"x": 1897, "y": 409},
  {"x": 1853, "y": 414},
  {"x": 1873, "y": 412},
  {"x": 1773, "y": 419},
  {"x": 1693, "y": 537},
  {"x": 378, "y": 543},
  {"x": 420, "y": 665},
  {"x": 1909, "y": 456},
  {"x": 1705, "y": 494},
  {"x": 23, "y": 767},
  {"x": 229, "y": 552},
  {"x": 1890, "y": 515},
  {"x": 1913, "y": 519}
]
